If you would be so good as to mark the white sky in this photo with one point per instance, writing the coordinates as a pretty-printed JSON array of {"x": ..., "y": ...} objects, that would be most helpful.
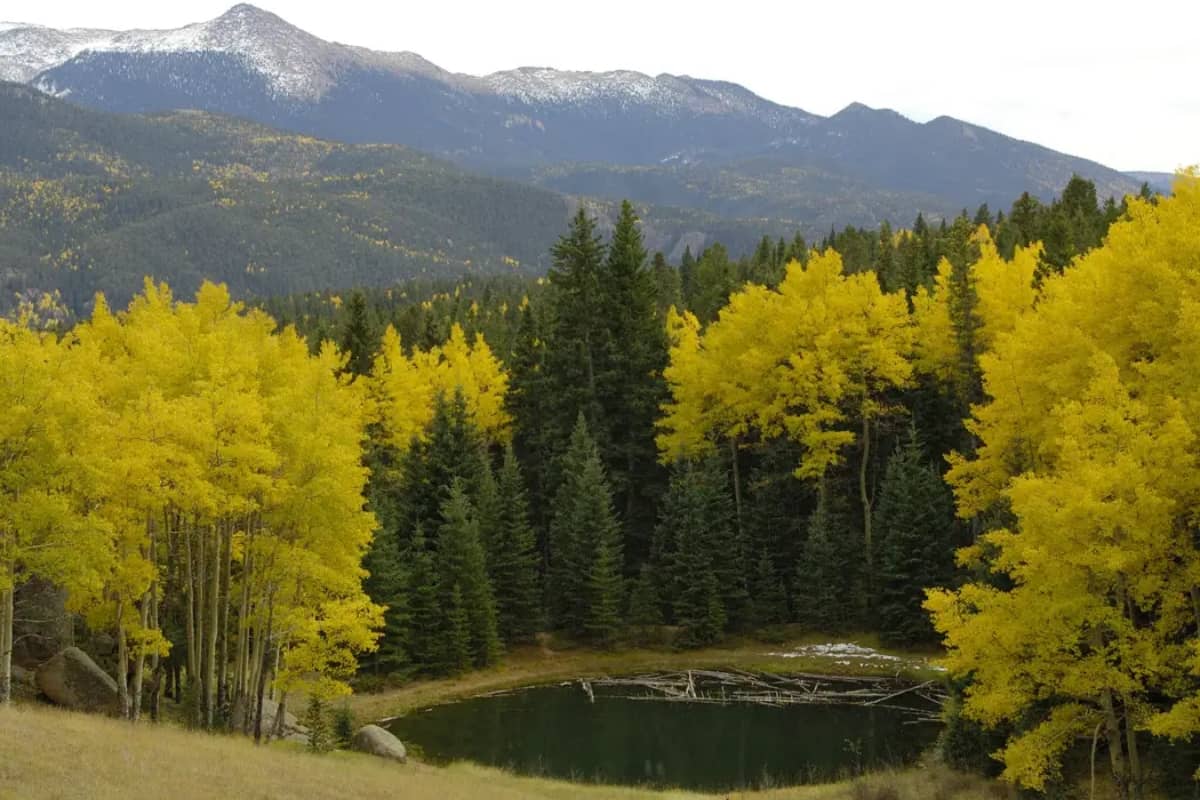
[{"x": 1118, "y": 82}]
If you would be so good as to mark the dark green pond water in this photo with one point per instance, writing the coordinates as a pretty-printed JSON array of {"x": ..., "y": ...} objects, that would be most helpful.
[{"x": 558, "y": 732}]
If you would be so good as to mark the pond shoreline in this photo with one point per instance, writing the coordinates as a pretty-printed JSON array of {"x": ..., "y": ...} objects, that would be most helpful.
[{"x": 541, "y": 664}]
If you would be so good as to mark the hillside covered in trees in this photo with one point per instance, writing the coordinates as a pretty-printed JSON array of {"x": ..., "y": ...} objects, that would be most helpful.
[
  {"x": 406, "y": 481},
  {"x": 92, "y": 202}
]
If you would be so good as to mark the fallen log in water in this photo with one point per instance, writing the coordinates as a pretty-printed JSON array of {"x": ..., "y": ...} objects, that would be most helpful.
[{"x": 736, "y": 686}]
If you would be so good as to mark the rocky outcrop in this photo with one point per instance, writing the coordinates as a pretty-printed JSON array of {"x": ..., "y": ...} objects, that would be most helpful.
[
  {"x": 378, "y": 742},
  {"x": 71, "y": 679}
]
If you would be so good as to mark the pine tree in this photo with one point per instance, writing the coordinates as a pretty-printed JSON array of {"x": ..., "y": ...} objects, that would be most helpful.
[
  {"x": 630, "y": 385},
  {"x": 513, "y": 558},
  {"x": 768, "y": 599},
  {"x": 827, "y": 595},
  {"x": 452, "y": 449},
  {"x": 584, "y": 575},
  {"x": 462, "y": 569},
  {"x": 916, "y": 526},
  {"x": 576, "y": 336},
  {"x": 707, "y": 571},
  {"x": 358, "y": 338},
  {"x": 424, "y": 607},
  {"x": 645, "y": 602}
]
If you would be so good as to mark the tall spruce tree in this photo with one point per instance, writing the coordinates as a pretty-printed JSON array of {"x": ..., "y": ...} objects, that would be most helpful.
[
  {"x": 584, "y": 581},
  {"x": 827, "y": 594},
  {"x": 630, "y": 385},
  {"x": 513, "y": 558},
  {"x": 576, "y": 336},
  {"x": 452, "y": 449},
  {"x": 359, "y": 338},
  {"x": 425, "y": 632},
  {"x": 464, "y": 582},
  {"x": 916, "y": 530},
  {"x": 768, "y": 598},
  {"x": 705, "y": 555}
]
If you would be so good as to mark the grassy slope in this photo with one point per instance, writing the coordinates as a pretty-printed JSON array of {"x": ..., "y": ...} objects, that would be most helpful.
[{"x": 47, "y": 753}]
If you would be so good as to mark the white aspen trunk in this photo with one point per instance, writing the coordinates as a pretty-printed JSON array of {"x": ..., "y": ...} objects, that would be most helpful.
[
  {"x": 6, "y": 639},
  {"x": 122, "y": 661},
  {"x": 214, "y": 619}
]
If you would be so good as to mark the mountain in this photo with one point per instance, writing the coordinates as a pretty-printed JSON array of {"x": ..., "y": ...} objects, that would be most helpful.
[
  {"x": 95, "y": 201},
  {"x": 1158, "y": 181},
  {"x": 616, "y": 133}
]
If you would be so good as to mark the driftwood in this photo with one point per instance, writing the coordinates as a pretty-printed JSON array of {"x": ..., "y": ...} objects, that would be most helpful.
[{"x": 921, "y": 702}]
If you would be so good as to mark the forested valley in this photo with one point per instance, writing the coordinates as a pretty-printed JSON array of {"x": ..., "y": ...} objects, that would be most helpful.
[{"x": 976, "y": 432}]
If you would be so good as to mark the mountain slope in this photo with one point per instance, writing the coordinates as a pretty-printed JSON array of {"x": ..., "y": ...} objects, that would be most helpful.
[
  {"x": 94, "y": 201},
  {"x": 521, "y": 122}
]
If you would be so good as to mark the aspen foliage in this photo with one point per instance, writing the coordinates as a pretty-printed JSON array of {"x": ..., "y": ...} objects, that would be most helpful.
[
  {"x": 1004, "y": 290},
  {"x": 801, "y": 361},
  {"x": 194, "y": 459},
  {"x": 1088, "y": 443},
  {"x": 406, "y": 387}
]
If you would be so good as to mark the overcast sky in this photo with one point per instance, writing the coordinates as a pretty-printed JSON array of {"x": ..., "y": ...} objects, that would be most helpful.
[{"x": 1115, "y": 82}]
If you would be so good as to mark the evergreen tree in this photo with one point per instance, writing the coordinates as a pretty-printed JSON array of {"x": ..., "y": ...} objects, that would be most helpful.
[
  {"x": 667, "y": 288},
  {"x": 630, "y": 384},
  {"x": 452, "y": 450},
  {"x": 645, "y": 603},
  {"x": 916, "y": 529},
  {"x": 576, "y": 336},
  {"x": 584, "y": 572},
  {"x": 464, "y": 582},
  {"x": 768, "y": 600},
  {"x": 424, "y": 636},
  {"x": 704, "y": 553},
  {"x": 387, "y": 580},
  {"x": 513, "y": 558},
  {"x": 827, "y": 595},
  {"x": 358, "y": 338}
]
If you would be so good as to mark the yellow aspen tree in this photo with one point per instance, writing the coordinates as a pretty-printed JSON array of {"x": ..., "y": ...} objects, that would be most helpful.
[{"x": 1088, "y": 440}]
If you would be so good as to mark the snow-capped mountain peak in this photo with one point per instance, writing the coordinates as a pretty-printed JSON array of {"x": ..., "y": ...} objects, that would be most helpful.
[{"x": 294, "y": 63}]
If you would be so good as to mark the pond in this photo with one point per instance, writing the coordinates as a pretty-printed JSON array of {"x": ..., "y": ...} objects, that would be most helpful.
[{"x": 627, "y": 734}]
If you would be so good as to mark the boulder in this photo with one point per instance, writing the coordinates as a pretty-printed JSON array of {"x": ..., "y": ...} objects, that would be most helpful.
[
  {"x": 73, "y": 680},
  {"x": 23, "y": 684},
  {"x": 378, "y": 742},
  {"x": 270, "y": 709},
  {"x": 42, "y": 627}
]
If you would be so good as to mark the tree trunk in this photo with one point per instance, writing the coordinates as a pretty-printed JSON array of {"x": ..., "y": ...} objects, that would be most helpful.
[
  {"x": 223, "y": 654},
  {"x": 139, "y": 668},
  {"x": 6, "y": 638},
  {"x": 277, "y": 729},
  {"x": 737, "y": 486},
  {"x": 262, "y": 673},
  {"x": 1135, "y": 761},
  {"x": 1116, "y": 754},
  {"x": 865, "y": 496},
  {"x": 193, "y": 655},
  {"x": 240, "y": 677},
  {"x": 122, "y": 661},
  {"x": 214, "y": 617}
]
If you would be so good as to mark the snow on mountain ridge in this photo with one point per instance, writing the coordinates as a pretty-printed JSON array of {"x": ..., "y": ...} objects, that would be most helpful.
[{"x": 299, "y": 66}]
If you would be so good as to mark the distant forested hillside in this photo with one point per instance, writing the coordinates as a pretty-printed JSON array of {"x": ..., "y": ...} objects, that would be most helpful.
[{"x": 92, "y": 201}]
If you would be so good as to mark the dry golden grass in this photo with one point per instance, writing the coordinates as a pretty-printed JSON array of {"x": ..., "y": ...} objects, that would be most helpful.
[
  {"x": 531, "y": 665},
  {"x": 48, "y": 753}
]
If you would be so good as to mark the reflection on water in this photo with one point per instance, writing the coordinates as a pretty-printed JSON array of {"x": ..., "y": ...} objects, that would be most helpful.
[{"x": 559, "y": 732}]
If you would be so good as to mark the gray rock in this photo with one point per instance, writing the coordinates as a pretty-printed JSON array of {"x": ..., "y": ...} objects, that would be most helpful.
[
  {"x": 378, "y": 742},
  {"x": 73, "y": 680},
  {"x": 42, "y": 627},
  {"x": 270, "y": 709},
  {"x": 23, "y": 684}
]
